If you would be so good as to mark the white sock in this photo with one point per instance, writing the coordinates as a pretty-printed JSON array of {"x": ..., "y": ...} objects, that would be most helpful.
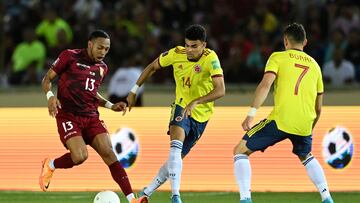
[
  {"x": 175, "y": 166},
  {"x": 130, "y": 197},
  {"x": 160, "y": 179},
  {"x": 242, "y": 170},
  {"x": 317, "y": 176},
  {"x": 51, "y": 164}
]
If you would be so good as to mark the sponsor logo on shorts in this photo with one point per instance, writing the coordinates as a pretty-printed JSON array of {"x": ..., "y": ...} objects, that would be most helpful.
[{"x": 70, "y": 133}]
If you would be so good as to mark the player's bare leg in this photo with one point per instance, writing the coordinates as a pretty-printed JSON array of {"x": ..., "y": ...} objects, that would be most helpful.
[
  {"x": 78, "y": 154},
  {"x": 102, "y": 145},
  {"x": 242, "y": 170},
  {"x": 317, "y": 176}
]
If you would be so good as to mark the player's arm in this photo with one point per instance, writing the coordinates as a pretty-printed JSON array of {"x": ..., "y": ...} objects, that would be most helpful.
[
  {"x": 261, "y": 93},
  {"x": 318, "y": 105},
  {"x": 216, "y": 93},
  {"x": 53, "y": 102},
  {"x": 119, "y": 106},
  {"x": 147, "y": 72}
]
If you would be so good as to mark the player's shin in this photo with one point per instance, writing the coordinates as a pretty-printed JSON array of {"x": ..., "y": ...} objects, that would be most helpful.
[
  {"x": 317, "y": 176},
  {"x": 160, "y": 179},
  {"x": 119, "y": 175},
  {"x": 175, "y": 166},
  {"x": 242, "y": 170},
  {"x": 65, "y": 161}
]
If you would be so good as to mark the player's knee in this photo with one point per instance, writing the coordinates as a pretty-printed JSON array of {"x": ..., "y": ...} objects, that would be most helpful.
[
  {"x": 241, "y": 148},
  {"x": 80, "y": 157},
  {"x": 107, "y": 153},
  {"x": 305, "y": 157}
]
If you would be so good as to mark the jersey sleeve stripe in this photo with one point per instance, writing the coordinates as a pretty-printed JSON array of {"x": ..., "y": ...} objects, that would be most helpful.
[
  {"x": 271, "y": 72},
  {"x": 217, "y": 75},
  {"x": 320, "y": 93},
  {"x": 158, "y": 60},
  {"x": 180, "y": 51}
]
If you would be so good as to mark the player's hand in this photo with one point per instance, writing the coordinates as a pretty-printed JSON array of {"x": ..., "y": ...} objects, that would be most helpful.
[
  {"x": 246, "y": 124},
  {"x": 131, "y": 98},
  {"x": 188, "y": 109},
  {"x": 53, "y": 105},
  {"x": 120, "y": 106}
]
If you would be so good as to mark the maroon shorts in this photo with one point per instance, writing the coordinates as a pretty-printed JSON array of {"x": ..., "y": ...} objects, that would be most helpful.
[{"x": 70, "y": 125}]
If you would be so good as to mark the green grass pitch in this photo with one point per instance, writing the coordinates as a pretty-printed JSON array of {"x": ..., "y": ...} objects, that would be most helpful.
[{"x": 187, "y": 197}]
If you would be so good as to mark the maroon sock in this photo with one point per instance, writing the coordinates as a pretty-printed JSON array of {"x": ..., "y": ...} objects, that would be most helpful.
[
  {"x": 64, "y": 161},
  {"x": 119, "y": 175}
]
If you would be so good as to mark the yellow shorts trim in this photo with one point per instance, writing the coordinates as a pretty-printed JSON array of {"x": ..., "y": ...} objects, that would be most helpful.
[{"x": 258, "y": 127}]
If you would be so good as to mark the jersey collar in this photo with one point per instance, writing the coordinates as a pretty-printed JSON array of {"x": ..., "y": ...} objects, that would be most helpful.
[
  {"x": 296, "y": 49},
  {"x": 196, "y": 60}
]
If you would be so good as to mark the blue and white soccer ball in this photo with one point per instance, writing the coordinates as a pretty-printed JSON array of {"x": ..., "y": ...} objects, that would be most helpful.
[
  {"x": 338, "y": 147},
  {"x": 106, "y": 197},
  {"x": 125, "y": 145}
]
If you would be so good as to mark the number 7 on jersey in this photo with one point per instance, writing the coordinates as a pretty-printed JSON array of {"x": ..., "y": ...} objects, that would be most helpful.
[{"x": 305, "y": 70}]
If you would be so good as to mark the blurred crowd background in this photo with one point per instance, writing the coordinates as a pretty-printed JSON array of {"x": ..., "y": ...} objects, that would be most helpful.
[{"x": 243, "y": 33}]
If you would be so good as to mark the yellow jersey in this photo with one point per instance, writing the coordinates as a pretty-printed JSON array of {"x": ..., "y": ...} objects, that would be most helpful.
[
  {"x": 193, "y": 78},
  {"x": 297, "y": 84}
]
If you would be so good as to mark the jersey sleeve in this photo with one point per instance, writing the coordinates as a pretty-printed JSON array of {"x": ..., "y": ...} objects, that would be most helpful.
[
  {"x": 272, "y": 64},
  {"x": 320, "y": 84},
  {"x": 214, "y": 65},
  {"x": 61, "y": 63},
  {"x": 167, "y": 58},
  {"x": 104, "y": 70}
]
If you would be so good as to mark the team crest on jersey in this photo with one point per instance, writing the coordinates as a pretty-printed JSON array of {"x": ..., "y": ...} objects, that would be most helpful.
[
  {"x": 197, "y": 68},
  {"x": 180, "y": 67},
  {"x": 101, "y": 71},
  {"x": 178, "y": 118}
]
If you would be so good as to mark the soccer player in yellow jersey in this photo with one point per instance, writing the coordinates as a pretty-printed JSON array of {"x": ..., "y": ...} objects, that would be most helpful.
[
  {"x": 298, "y": 90},
  {"x": 199, "y": 82}
]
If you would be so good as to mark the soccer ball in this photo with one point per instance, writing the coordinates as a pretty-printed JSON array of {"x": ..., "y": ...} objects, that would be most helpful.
[
  {"x": 106, "y": 197},
  {"x": 125, "y": 146},
  {"x": 338, "y": 147}
]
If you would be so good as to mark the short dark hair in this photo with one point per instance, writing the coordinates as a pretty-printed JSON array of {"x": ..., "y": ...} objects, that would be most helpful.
[
  {"x": 195, "y": 32},
  {"x": 295, "y": 32},
  {"x": 98, "y": 33}
]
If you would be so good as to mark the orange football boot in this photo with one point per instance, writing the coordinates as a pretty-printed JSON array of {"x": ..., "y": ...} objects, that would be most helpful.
[
  {"x": 143, "y": 199},
  {"x": 45, "y": 175}
]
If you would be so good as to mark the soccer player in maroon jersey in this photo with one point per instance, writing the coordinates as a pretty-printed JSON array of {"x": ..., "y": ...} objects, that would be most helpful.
[{"x": 80, "y": 73}]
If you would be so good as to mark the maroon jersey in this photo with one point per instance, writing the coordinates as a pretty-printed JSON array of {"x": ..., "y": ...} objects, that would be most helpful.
[{"x": 79, "y": 80}]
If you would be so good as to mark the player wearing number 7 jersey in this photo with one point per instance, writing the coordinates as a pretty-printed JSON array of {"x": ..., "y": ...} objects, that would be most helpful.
[
  {"x": 298, "y": 90},
  {"x": 199, "y": 82},
  {"x": 80, "y": 73}
]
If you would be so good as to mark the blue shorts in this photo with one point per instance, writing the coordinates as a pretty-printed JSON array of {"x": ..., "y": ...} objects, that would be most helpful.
[
  {"x": 266, "y": 133},
  {"x": 193, "y": 129}
]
